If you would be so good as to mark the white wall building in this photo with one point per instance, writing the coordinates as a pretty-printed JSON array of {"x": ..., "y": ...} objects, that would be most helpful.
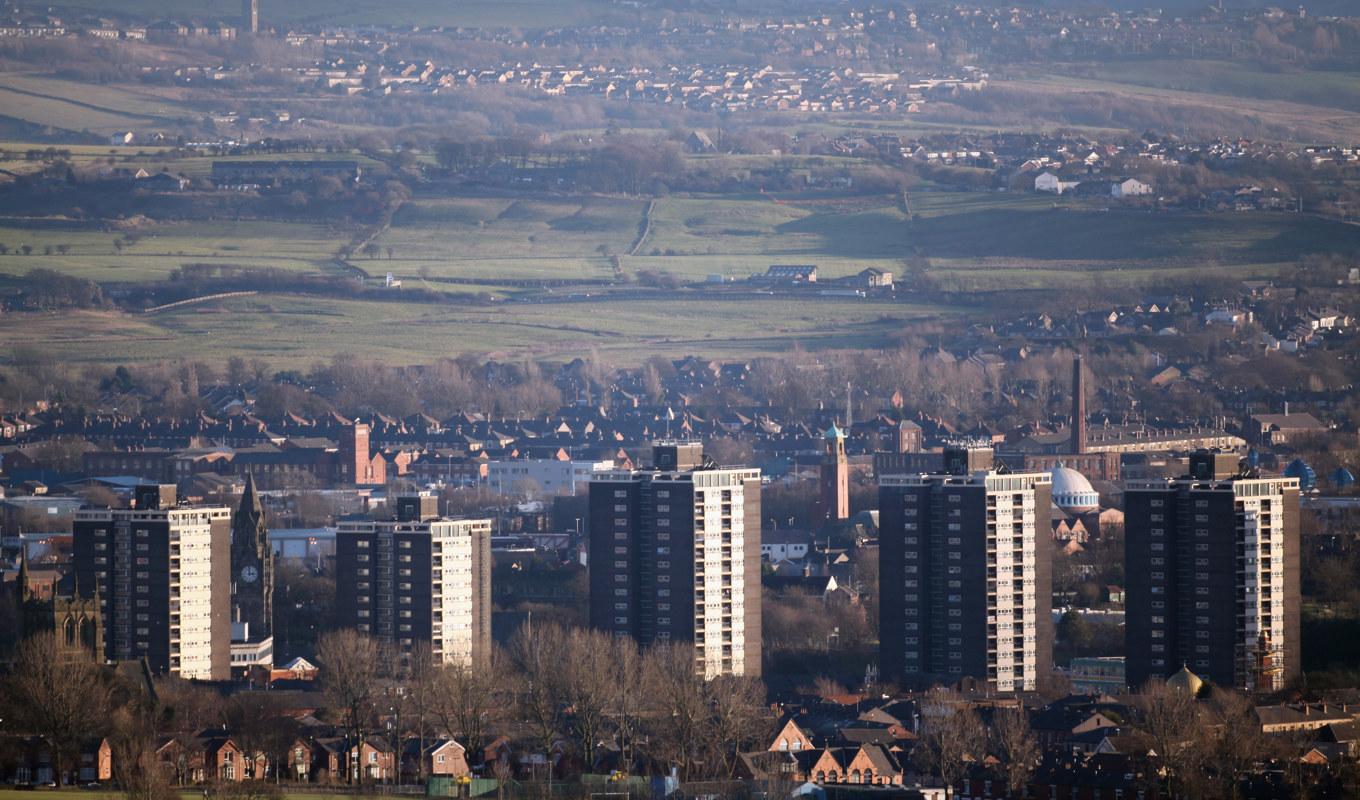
[{"x": 543, "y": 476}]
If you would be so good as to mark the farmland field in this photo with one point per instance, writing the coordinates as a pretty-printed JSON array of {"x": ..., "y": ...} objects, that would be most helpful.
[
  {"x": 159, "y": 249},
  {"x": 475, "y": 13},
  {"x": 1295, "y": 118},
  {"x": 485, "y": 256},
  {"x": 294, "y": 331},
  {"x": 1330, "y": 89},
  {"x": 981, "y": 241},
  {"x": 507, "y": 238}
]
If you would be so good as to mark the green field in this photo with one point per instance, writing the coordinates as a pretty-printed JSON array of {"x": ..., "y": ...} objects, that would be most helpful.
[
  {"x": 1249, "y": 80},
  {"x": 293, "y": 331},
  {"x": 470, "y": 13},
  {"x": 160, "y": 248},
  {"x": 994, "y": 237},
  {"x": 470, "y": 249},
  {"x": 506, "y": 238},
  {"x": 1199, "y": 108}
]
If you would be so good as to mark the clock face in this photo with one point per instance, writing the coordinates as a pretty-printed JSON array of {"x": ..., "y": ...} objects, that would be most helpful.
[{"x": 250, "y": 574}]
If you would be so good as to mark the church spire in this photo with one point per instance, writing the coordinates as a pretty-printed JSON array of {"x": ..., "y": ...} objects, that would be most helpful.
[{"x": 250, "y": 500}]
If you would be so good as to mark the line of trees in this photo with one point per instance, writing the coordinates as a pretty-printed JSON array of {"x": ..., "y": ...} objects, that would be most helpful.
[{"x": 566, "y": 695}]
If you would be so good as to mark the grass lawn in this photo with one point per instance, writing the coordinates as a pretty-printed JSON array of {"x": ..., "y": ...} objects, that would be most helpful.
[{"x": 291, "y": 331}]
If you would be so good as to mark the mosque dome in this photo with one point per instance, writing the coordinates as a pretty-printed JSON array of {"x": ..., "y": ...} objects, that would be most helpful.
[
  {"x": 1072, "y": 492},
  {"x": 1186, "y": 681}
]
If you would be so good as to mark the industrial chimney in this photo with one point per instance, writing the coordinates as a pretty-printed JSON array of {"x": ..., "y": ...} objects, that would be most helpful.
[{"x": 1078, "y": 444}]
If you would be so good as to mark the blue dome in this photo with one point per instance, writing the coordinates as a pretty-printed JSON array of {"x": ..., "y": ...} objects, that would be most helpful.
[
  {"x": 1298, "y": 468},
  {"x": 1342, "y": 478}
]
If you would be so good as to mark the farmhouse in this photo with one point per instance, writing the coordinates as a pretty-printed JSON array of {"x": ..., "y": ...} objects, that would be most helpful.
[
  {"x": 1129, "y": 187},
  {"x": 1048, "y": 182},
  {"x": 873, "y": 278}
]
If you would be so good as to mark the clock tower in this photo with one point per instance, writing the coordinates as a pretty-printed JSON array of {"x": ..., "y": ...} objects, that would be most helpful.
[{"x": 252, "y": 567}]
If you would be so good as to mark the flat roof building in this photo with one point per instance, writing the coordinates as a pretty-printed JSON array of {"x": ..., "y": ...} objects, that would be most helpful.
[
  {"x": 418, "y": 578},
  {"x": 162, "y": 573},
  {"x": 965, "y": 564},
  {"x": 675, "y": 557},
  {"x": 1212, "y": 576}
]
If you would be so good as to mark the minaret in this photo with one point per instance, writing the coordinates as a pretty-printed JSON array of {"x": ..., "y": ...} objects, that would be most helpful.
[
  {"x": 1078, "y": 444},
  {"x": 250, "y": 16}
]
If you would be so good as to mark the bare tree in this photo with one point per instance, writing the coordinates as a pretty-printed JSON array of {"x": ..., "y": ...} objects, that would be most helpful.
[
  {"x": 1016, "y": 745},
  {"x": 1170, "y": 721},
  {"x": 681, "y": 718},
  {"x": 464, "y": 703},
  {"x": 951, "y": 734},
  {"x": 132, "y": 742},
  {"x": 420, "y": 677},
  {"x": 588, "y": 687},
  {"x": 538, "y": 657},
  {"x": 351, "y": 665},
  {"x": 631, "y": 700},
  {"x": 59, "y": 696},
  {"x": 260, "y": 727},
  {"x": 1238, "y": 741},
  {"x": 739, "y": 719}
]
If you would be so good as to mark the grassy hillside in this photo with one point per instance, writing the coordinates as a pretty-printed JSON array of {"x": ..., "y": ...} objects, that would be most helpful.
[
  {"x": 293, "y": 331},
  {"x": 470, "y": 13},
  {"x": 1248, "y": 80}
]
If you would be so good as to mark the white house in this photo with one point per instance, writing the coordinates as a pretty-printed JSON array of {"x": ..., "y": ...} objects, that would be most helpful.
[
  {"x": 1227, "y": 316},
  {"x": 785, "y": 545},
  {"x": 543, "y": 476},
  {"x": 1048, "y": 182},
  {"x": 1129, "y": 187}
]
